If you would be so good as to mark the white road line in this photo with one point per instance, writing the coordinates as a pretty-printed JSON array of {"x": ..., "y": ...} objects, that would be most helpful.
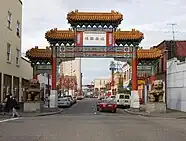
[{"x": 10, "y": 119}]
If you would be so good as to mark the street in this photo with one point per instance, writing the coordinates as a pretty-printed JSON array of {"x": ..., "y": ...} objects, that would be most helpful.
[{"x": 82, "y": 123}]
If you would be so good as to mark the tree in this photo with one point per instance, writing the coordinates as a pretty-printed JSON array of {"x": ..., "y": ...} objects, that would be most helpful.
[{"x": 120, "y": 87}]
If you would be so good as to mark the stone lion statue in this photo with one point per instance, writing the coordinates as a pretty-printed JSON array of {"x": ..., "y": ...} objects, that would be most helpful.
[
  {"x": 157, "y": 92},
  {"x": 33, "y": 90}
]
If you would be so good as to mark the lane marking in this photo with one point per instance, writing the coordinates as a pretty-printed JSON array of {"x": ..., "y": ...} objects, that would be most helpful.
[{"x": 10, "y": 119}]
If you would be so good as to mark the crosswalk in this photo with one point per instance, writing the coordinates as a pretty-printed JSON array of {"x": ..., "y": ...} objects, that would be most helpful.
[{"x": 9, "y": 119}]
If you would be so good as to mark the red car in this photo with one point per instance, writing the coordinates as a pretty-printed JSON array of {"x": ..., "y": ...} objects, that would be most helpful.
[{"x": 107, "y": 105}]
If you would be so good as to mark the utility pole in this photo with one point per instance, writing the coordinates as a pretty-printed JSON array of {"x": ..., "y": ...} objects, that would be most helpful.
[
  {"x": 173, "y": 43},
  {"x": 172, "y": 51},
  {"x": 173, "y": 30}
]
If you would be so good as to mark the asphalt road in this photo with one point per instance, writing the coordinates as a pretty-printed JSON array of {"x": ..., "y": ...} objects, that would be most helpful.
[{"x": 82, "y": 123}]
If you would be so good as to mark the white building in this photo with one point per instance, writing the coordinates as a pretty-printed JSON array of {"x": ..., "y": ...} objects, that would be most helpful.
[
  {"x": 176, "y": 85},
  {"x": 72, "y": 68},
  {"x": 14, "y": 70},
  {"x": 127, "y": 74}
]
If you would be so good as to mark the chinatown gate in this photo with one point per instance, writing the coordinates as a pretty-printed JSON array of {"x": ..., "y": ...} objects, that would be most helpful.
[{"x": 92, "y": 35}]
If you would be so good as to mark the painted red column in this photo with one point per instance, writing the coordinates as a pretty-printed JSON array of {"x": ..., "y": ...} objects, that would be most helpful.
[
  {"x": 54, "y": 67},
  {"x": 35, "y": 72},
  {"x": 134, "y": 69}
]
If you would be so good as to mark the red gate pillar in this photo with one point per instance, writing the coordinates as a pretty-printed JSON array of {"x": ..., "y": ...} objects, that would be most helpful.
[
  {"x": 35, "y": 72},
  {"x": 53, "y": 93},
  {"x": 134, "y": 68}
]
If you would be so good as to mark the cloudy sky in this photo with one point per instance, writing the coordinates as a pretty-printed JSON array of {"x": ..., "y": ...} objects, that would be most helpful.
[{"x": 149, "y": 16}]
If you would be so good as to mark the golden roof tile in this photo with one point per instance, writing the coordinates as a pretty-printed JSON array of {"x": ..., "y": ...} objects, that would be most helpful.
[
  {"x": 39, "y": 53},
  {"x": 149, "y": 53},
  {"x": 128, "y": 35},
  {"x": 70, "y": 35},
  {"x": 60, "y": 34},
  {"x": 94, "y": 16}
]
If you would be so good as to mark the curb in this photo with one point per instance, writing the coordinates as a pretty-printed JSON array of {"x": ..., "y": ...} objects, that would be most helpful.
[
  {"x": 49, "y": 113},
  {"x": 37, "y": 115},
  {"x": 148, "y": 115},
  {"x": 135, "y": 113}
]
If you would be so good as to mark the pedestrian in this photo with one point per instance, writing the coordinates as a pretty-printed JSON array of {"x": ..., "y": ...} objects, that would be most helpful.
[
  {"x": 14, "y": 107},
  {"x": 7, "y": 104}
]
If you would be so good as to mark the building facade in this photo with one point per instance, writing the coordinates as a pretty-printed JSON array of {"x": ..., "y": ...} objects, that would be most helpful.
[
  {"x": 170, "y": 50},
  {"x": 127, "y": 74},
  {"x": 100, "y": 83},
  {"x": 72, "y": 68},
  {"x": 12, "y": 66}
]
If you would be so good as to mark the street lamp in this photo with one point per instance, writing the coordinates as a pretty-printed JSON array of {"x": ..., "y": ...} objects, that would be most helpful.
[{"x": 112, "y": 68}]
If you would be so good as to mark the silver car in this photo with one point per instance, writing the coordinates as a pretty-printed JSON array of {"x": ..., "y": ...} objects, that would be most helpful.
[{"x": 64, "y": 102}]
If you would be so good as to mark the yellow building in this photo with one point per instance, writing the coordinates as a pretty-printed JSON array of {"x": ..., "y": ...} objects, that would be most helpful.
[
  {"x": 14, "y": 70},
  {"x": 100, "y": 83}
]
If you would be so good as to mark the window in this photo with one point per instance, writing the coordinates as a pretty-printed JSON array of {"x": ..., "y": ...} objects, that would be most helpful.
[
  {"x": 8, "y": 52},
  {"x": 127, "y": 97},
  {"x": 17, "y": 56},
  {"x": 18, "y": 29},
  {"x": 9, "y": 20},
  {"x": 121, "y": 97}
]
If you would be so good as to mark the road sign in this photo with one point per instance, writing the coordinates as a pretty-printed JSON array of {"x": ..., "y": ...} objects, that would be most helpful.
[{"x": 44, "y": 67}]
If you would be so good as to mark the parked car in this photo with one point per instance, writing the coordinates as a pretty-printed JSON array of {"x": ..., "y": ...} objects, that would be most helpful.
[
  {"x": 73, "y": 101},
  {"x": 80, "y": 97},
  {"x": 112, "y": 97},
  {"x": 64, "y": 102},
  {"x": 107, "y": 105},
  {"x": 100, "y": 97}
]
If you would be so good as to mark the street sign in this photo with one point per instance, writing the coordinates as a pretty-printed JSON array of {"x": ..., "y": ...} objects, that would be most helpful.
[
  {"x": 144, "y": 68},
  {"x": 94, "y": 38},
  {"x": 44, "y": 67}
]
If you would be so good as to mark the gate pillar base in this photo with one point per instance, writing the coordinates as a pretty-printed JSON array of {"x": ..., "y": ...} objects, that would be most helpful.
[
  {"x": 135, "y": 103},
  {"x": 53, "y": 99}
]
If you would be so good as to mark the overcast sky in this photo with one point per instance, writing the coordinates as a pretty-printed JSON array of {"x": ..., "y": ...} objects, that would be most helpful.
[{"x": 149, "y": 16}]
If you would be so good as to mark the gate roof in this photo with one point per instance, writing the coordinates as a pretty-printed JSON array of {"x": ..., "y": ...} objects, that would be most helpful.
[
  {"x": 45, "y": 54},
  {"x": 55, "y": 34},
  {"x": 76, "y": 16}
]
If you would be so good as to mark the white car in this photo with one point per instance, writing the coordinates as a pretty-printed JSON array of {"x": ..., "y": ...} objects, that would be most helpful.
[{"x": 64, "y": 102}]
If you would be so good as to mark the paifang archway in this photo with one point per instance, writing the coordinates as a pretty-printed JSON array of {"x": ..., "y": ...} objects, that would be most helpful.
[{"x": 93, "y": 35}]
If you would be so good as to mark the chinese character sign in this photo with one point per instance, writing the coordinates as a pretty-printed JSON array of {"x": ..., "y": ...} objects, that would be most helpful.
[
  {"x": 79, "y": 39},
  {"x": 94, "y": 38}
]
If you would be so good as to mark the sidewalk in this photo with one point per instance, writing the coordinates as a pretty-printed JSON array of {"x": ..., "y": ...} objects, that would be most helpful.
[
  {"x": 168, "y": 114},
  {"x": 45, "y": 112}
]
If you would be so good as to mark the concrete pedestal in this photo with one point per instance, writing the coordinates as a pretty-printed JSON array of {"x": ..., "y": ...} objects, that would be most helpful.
[
  {"x": 135, "y": 103},
  {"x": 31, "y": 106},
  {"x": 53, "y": 99},
  {"x": 155, "y": 107}
]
